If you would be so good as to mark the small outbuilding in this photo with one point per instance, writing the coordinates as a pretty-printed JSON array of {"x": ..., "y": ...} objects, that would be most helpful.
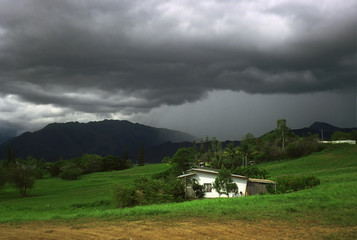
[
  {"x": 206, "y": 177},
  {"x": 257, "y": 186}
]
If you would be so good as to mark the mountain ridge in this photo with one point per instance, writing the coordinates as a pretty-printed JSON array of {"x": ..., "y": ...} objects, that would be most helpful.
[
  {"x": 322, "y": 129},
  {"x": 72, "y": 139}
]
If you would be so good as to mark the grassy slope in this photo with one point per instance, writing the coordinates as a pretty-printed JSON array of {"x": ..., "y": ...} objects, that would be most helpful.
[
  {"x": 332, "y": 202},
  {"x": 55, "y": 198}
]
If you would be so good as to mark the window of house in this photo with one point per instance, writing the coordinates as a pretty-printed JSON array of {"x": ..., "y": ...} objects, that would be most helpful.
[{"x": 208, "y": 187}]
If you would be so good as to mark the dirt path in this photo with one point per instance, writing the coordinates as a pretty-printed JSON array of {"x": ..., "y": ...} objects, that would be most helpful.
[{"x": 171, "y": 229}]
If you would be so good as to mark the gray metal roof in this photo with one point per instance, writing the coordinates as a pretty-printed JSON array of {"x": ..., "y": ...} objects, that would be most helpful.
[{"x": 186, "y": 175}]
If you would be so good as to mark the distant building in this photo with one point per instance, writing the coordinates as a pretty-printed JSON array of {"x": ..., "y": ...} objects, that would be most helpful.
[{"x": 339, "y": 141}]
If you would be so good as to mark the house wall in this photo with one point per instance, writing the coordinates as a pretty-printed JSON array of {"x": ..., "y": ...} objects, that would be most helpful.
[
  {"x": 203, "y": 178},
  {"x": 256, "y": 188}
]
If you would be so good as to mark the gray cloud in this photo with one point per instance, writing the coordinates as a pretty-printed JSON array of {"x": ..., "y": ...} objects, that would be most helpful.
[{"x": 132, "y": 56}]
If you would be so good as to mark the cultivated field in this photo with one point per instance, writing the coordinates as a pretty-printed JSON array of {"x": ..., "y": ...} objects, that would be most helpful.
[{"x": 82, "y": 210}]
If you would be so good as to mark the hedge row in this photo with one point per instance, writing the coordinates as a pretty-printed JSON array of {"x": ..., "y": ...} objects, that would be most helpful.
[
  {"x": 293, "y": 183},
  {"x": 146, "y": 191}
]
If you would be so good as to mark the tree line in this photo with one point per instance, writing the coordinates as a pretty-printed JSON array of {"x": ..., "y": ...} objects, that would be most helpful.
[{"x": 22, "y": 173}]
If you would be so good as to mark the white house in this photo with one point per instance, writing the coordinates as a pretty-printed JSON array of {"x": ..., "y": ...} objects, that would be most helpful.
[{"x": 205, "y": 176}]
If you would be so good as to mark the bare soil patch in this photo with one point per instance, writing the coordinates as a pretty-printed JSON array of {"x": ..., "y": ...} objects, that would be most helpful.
[{"x": 193, "y": 228}]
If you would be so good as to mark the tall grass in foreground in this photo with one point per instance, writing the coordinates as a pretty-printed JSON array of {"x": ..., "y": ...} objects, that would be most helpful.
[{"x": 334, "y": 201}]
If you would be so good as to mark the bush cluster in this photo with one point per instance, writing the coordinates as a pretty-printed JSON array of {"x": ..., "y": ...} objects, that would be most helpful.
[
  {"x": 147, "y": 191},
  {"x": 199, "y": 190},
  {"x": 303, "y": 147},
  {"x": 20, "y": 174},
  {"x": 293, "y": 183},
  {"x": 72, "y": 169},
  {"x": 71, "y": 173},
  {"x": 269, "y": 148},
  {"x": 251, "y": 171}
]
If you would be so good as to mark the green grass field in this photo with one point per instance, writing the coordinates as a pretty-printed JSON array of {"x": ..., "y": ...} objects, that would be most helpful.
[{"x": 334, "y": 201}]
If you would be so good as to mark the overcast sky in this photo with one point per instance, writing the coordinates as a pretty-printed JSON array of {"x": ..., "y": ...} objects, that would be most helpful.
[{"x": 210, "y": 68}]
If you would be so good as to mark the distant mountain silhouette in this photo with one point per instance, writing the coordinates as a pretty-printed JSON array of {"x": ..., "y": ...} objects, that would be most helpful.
[
  {"x": 320, "y": 128},
  {"x": 72, "y": 139}
]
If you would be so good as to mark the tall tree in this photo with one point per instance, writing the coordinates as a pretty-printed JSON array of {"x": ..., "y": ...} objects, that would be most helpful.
[
  {"x": 21, "y": 175},
  {"x": 10, "y": 156},
  {"x": 338, "y": 135},
  {"x": 2, "y": 176},
  {"x": 126, "y": 154},
  {"x": 202, "y": 147},
  {"x": 182, "y": 160},
  {"x": 213, "y": 145},
  {"x": 246, "y": 148},
  {"x": 141, "y": 161},
  {"x": 282, "y": 131},
  {"x": 194, "y": 146},
  {"x": 224, "y": 183},
  {"x": 231, "y": 156}
]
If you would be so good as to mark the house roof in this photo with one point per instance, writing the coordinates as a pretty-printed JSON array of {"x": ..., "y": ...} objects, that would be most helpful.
[
  {"x": 213, "y": 171},
  {"x": 186, "y": 175},
  {"x": 260, "y": 180}
]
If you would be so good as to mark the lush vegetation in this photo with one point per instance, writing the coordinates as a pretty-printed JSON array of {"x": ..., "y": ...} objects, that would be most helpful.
[
  {"x": 338, "y": 135},
  {"x": 72, "y": 169},
  {"x": 331, "y": 202},
  {"x": 22, "y": 173},
  {"x": 279, "y": 144},
  {"x": 146, "y": 191},
  {"x": 55, "y": 198},
  {"x": 19, "y": 174},
  {"x": 286, "y": 184},
  {"x": 224, "y": 183}
]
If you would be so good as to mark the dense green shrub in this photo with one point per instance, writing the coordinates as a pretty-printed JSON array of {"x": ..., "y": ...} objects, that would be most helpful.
[
  {"x": 71, "y": 174},
  {"x": 304, "y": 146},
  {"x": 224, "y": 183},
  {"x": 338, "y": 135},
  {"x": 271, "y": 188},
  {"x": 199, "y": 190},
  {"x": 181, "y": 160},
  {"x": 294, "y": 183},
  {"x": 2, "y": 176},
  {"x": 70, "y": 171},
  {"x": 175, "y": 189},
  {"x": 149, "y": 191},
  {"x": 124, "y": 196},
  {"x": 168, "y": 174},
  {"x": 270, "y": 152},
  {"x": 91, "y": 163},
  {"x": 21, "y": 174},
  {"x": 54, "y": 168},
  {"x": 115, "y": 163},
  {"x": 158, "y": 190},
  {"x": 251, "y": 171},
  {"x": 293, "y": 150}
]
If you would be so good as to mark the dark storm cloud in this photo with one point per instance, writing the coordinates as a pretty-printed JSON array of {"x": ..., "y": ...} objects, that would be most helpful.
[
  {"x": 7, "y": 131},
  {"x": 132, "y": 56}
]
